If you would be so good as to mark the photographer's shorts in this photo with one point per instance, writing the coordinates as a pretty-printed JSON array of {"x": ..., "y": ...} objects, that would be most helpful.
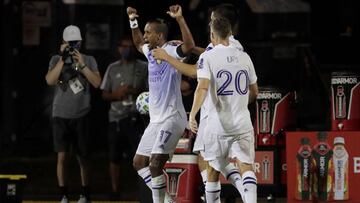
[
  {"x": 162, "y": 138},
  {"x": 123, "y": 137},
  {"x": 71, "y": 134}
]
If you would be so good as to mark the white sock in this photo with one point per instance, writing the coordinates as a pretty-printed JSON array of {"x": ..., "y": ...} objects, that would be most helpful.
[
  {"x": 158, "y": 185},
  {"x": 144, "y": 173},
  {"x": 250, "y": 187},
  {"x": 231, "y": 173},
  {"x": 204, "y": 176},
  {"x": 213, "y": 192}
]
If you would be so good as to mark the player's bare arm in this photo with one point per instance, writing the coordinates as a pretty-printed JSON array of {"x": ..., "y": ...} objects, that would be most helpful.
[
  {"x": 198, "y": 50},
  {"x": 183, "y": 68},
  {"x": 175, "y": 11},
  {"x": 136, "y": 32},
  {"x": 254, "y": 91},
  {"x": 199, "y": 97}
]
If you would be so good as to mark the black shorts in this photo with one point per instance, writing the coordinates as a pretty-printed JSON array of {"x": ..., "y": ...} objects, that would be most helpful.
[
  {"x": 123, "y": 137},
  {"x": 71, "y": 134}
]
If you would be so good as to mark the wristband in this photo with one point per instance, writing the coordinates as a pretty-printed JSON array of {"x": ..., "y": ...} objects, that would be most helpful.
[
  {"x": 82, "y": 67},
  {"x": 134, "y": 24}
]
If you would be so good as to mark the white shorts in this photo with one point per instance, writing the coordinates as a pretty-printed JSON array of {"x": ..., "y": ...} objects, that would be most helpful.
[
  {"x": 199, "y": 143},
  {"x": 219, "y": 148},
  {"x": 162, "y": 138}
]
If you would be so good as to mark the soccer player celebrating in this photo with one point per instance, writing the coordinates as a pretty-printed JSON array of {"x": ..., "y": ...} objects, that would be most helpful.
[
  {"x": 226, "y": 75},
  {"x": 167, "y": 113},
  {"x": 230, "y": 172}
]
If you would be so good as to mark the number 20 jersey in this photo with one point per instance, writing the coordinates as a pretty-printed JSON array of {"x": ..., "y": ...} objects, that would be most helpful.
[
  {"x": 234, "y": 43},
  {"x": 230, "y": 71}
]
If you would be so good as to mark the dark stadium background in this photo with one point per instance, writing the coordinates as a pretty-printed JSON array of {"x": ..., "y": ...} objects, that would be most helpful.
[{"x": 292, "y": 50}]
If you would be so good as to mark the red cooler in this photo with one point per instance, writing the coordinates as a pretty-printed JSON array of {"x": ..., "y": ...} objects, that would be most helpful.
[
  {"x": 182, "y": 173},
  {"x": 183, "y": 179},
  {"x": 345, "y": 101}
]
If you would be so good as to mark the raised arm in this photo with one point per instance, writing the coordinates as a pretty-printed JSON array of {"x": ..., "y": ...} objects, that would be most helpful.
[
  {"x": 198, "y": 50},
  {"x": 136, "y": 33},
  {"x": 93, "y": 77},
  {"x": 53, "y": 74},
  {"x": 175, "y": 11}
]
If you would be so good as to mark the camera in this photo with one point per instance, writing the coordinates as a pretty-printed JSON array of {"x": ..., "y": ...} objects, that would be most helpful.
[
  {"x": 73, "y": 45},
  {"x": 70, "y": 49}
]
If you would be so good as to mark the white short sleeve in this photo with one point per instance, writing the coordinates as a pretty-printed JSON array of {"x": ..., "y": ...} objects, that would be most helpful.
[
  {"x": 171, "y": 48},
  {"x": 203, "y": 68},
  {"x": 145, "y": 49},
  {"x": 105, "y": 84},
  {"x": 208, "y": 48}
]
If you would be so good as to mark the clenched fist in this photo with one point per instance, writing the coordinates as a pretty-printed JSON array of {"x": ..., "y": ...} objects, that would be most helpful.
[
  {"x": 132, "y": 13},
  {"x": 175, "y": 11}
]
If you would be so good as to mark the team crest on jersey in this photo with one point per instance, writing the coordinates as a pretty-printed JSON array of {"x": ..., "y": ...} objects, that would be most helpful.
[
  {"x": 152, "y": 60},
  {"x": 201, "y": 64}
]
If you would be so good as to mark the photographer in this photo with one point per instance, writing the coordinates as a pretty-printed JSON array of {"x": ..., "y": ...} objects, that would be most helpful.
[{"x": 72, "y": 73}]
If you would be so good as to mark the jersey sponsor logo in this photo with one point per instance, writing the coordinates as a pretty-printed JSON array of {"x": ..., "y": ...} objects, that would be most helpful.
[
  {"x": 155, "y": 79},
  {"x": 157, "y": 75},
  {"x": 269, "y": 95},
  {"x": 158, "y": 72},
  {"x": 347, "y": 80}
]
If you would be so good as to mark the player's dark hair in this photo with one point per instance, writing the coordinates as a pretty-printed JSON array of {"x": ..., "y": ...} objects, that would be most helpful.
[
  {"x": 221, "y": 27},
  {"x": 161, "y": 26},
  {"x": 229, "y": 12}
]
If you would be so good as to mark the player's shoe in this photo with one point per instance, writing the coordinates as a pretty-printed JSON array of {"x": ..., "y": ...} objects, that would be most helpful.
[
  {"x": 83, "y": 199},
  {"x": 64, "y": 200}
]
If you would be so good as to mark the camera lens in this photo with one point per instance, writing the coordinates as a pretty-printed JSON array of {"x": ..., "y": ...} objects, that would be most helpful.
[{"x": 74, "y": 44}]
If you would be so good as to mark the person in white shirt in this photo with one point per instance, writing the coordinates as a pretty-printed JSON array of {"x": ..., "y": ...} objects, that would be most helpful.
[
  {"x": 230, "y": 13},
  {"x": 166, "y": 110},
  {"x": 226, "y": 75}
]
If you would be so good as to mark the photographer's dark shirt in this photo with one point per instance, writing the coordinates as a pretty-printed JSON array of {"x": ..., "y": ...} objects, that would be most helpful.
[
  {"x": 119, "y": 74},
  {"x": 66, "y": 103}
]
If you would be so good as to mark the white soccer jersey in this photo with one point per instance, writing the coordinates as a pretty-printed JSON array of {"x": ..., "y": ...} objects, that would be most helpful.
[
  {"x": 230, "y": 72},
  {"x": 164, "y": 86},
  {"x": 234, "y": 43}
]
